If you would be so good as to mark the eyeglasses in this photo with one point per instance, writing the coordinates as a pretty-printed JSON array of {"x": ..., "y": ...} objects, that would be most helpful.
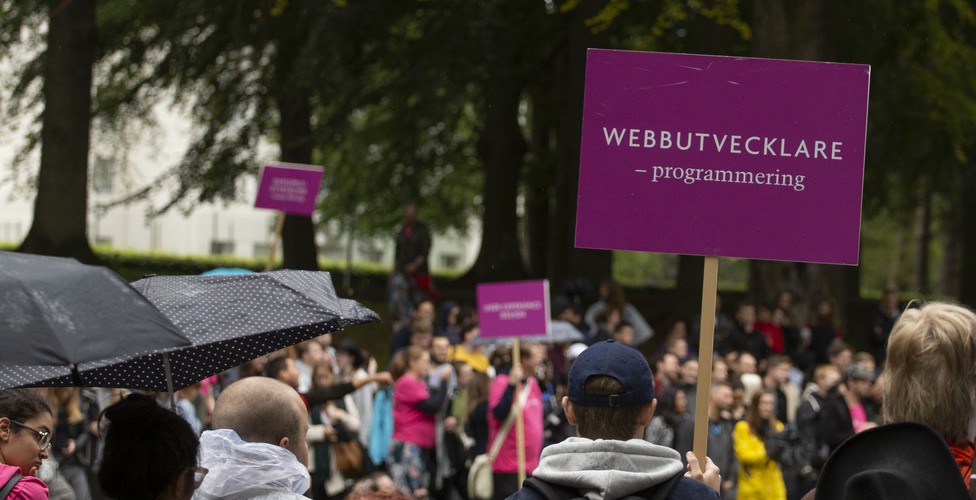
[
  {"x": 43, "y": 437},
  {"x": 198, "y": 474}
]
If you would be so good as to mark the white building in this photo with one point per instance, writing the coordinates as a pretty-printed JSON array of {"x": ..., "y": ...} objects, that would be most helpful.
[{"x": 125, "y": 162}]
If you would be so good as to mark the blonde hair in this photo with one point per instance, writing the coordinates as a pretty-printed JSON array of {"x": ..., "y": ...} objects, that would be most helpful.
[
  {"x": 751, "y": 383},
  {"x": 401, "y": 360},
  {"x": 821, "y": 372},
  {"x": 71, "y": 406},
  {"x": 322, "y": 365},
  {"x": 930, "y": 369}
]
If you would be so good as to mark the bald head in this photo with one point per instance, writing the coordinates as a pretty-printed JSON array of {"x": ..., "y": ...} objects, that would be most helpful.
[{"x": 263, "y": 410}]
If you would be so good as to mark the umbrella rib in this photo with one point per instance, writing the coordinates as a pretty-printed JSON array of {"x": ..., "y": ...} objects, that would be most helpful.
[
  {"x": 291, "y": 289},
  {"x": 60, "y": 351}
]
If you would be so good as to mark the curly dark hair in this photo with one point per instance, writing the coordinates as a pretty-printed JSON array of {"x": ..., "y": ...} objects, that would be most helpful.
[
  {"x": 147, "y": 449},
  {"x": 23, "y": 404}
]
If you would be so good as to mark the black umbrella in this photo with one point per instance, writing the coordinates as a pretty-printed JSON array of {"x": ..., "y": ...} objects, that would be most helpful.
[
  {"x": 235, "y": 318},
  {"x": 63, "y": 323}
]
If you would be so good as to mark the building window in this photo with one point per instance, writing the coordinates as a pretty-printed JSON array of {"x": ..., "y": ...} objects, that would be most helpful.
[
  {"x": 372, "y": 255},
  {"x": 103, "y": 174},
  {"x": 261, "y": 250},
  {"x": 450, "y": 261},
  {"x": 333, "y": 249},
  {"x": 221, "y": 247}
]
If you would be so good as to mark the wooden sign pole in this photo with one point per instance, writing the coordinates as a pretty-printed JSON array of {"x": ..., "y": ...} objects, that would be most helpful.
[
  {"x": 519, "y": 418},
  {"x": 274, "y": 241},
  {"x": 705, "y": 349}
]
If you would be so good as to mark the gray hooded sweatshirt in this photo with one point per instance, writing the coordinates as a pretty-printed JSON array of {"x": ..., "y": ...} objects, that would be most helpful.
[{"x": 607, "y": 469}]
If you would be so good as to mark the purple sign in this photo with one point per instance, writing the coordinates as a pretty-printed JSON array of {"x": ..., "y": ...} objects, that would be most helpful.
[
  {"x": 513, "y": 309},
  {"x": 722, "y": 156},
  {"x": 289, "y": 187}
]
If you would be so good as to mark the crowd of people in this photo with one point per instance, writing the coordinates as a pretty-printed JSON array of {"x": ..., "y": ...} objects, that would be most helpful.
[{"x": 328, "y": 422}]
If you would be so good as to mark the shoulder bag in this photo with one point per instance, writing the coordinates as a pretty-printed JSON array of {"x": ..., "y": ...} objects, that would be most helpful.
[
  {"x": 481, "y": 484},
  {"x": 9, "y": 486}
]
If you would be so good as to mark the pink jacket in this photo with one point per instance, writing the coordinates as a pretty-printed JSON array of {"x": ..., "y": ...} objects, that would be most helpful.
[
  {"x": 506, "y": 461},
  {"x": 410, "y": 425},
  {"x": 29, "y": 488}
]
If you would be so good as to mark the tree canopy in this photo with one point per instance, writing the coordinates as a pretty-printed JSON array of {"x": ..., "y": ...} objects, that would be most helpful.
[{"x": 473, "y": 109}]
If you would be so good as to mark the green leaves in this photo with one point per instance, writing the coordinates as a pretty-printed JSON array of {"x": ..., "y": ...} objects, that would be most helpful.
[{"x": 922, "y": 126}]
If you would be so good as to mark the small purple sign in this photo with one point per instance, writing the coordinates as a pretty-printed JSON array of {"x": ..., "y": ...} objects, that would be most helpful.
[
  {"x": 722, "y": 156},
  {"x": 513, "y": 309},
  {"x": 289, "y": 187}
]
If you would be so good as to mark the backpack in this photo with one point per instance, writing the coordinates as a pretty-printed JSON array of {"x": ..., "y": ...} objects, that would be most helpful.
[
  {"x": 789, "y": 449},
  {"x": 551, "y": 491},
  {"x": 9, "y": 486}
]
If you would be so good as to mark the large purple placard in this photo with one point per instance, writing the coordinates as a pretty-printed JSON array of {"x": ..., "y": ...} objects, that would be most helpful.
[
  {"x": 289, "y": 187},
  {"x": 722, "y": 156},
  {"x": 513, "y": 309}
]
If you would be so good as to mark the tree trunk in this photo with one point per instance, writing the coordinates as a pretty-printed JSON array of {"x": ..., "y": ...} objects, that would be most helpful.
[
  {"x": 298, "y": 234},
  {"x": 537, "y": 221},
  {"x": 790, "y": 30},
  {"x": 688, "y": 289},
  {"x": 894, "y": 264},
  {"x": 565, "y": 260},
  {"x": 538, "y": 185},
  {"x": 967, "y": 219},
  {"x": 768, "y": 278},
  {"x": 60, "y": 225},
  {"x": 501, "y": 147},
  {"x": 923, "y": 235},
  {"x": 951, "y": 255}
]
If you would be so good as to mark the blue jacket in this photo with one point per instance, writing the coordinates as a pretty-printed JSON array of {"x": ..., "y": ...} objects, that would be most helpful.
[{"x": 381, "y": 430}]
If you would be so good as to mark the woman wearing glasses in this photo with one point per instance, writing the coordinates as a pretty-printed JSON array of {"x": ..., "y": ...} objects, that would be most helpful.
[
  {"x": 150, "y": 453},
  {"x": 25, "y": 440}
]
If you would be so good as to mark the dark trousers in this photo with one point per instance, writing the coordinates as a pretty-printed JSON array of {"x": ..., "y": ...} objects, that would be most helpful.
[{"x": 505, "y": 485}]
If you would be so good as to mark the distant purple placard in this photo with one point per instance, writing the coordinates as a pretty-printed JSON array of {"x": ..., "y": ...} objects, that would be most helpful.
[
  {"x": 289, "y": 187},
  {"x": 513, "y": 309},
  {"x": 722, "y": 156}
]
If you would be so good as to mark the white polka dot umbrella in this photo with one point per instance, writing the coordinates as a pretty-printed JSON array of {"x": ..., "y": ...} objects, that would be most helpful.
[
  {"x": 234, "y": 318},
  {"x": 62, "y": 323}
]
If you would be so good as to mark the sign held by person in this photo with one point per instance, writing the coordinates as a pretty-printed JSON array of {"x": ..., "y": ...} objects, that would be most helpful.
[
  {"x": 513, "y": 309},
  {"x": 722, "y": 156},
  {"x": 289, "y": 187}
]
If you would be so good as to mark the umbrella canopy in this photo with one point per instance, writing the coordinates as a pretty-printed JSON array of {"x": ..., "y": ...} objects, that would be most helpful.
[
  {"x": 235, "y": 318},
  {"x": 560, "y": 332},
  {"x": 62, "y": 321}
]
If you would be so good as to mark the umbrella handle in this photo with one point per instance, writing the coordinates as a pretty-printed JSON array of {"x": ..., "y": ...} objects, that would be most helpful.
[
  {"x": 76, "y": 376},
  {"x": 169, "y": 382}
]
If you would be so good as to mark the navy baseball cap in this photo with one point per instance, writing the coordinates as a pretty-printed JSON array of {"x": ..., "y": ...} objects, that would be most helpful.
[{"x": 619, "y": 361}]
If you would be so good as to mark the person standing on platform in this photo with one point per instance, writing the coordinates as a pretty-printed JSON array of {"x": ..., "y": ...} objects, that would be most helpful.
[{"x": 413, "y": 243}]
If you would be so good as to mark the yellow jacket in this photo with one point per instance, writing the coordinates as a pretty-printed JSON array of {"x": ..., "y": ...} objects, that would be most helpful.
[
  {"x": 760, "y": 477},
  {"x": 477, "y": 361}
]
